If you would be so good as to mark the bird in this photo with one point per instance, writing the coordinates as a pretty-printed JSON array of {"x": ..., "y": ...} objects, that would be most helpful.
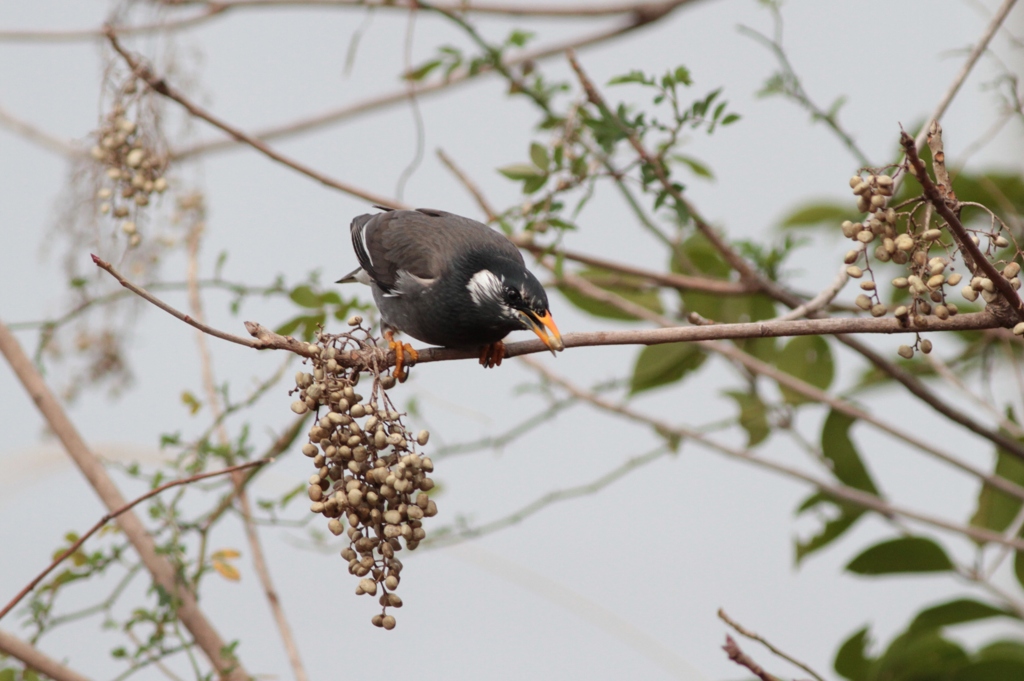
[{"x": 447, "y": 280}]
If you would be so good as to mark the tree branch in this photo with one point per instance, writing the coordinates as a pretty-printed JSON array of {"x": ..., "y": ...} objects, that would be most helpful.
[
  {"x": 754, "y": 637},
  {"x": 162, "y": 87},
  {"x": 36, "y": 659},
  {"x": 163, "y": 573},
  {"x": 732, "y": 649},
  {"x": 840, "y": 492},
  {"x": 779, "y": 293},
  {"x": 974, "y": 258},
  {"x": 437, "y": 84},
  {"x": 114, "y": 514}
]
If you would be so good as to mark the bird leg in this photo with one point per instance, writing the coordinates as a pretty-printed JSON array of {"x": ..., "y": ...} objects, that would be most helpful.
[
  {"x": 401, "y": 350},
  {"x": 491, "y": 355}
]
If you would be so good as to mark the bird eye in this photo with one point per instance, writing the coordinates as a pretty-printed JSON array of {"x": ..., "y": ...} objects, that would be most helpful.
[{"x": 513, "y": 295}]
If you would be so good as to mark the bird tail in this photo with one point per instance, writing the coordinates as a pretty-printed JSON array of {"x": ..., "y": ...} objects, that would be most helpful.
[{"x": 357, "y": 275}]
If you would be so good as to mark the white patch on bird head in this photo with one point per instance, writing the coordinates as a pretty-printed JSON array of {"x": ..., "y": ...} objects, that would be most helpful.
[{"x": 486, "y": 286}]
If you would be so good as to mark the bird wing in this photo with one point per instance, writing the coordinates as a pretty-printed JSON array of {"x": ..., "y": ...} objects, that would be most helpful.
[{"x": 399, "y": 247}]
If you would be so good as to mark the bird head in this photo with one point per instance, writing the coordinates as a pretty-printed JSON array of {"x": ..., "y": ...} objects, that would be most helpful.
[{"x": 508, "y": 289}]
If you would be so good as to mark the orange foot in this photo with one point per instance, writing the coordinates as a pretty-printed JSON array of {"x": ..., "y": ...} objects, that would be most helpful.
[
  {"x": 401, "y": 350},
  {"x": 491, "y": 355}
]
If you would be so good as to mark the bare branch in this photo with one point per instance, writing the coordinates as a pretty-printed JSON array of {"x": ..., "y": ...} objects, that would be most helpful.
[
  {"x": 640, "y": 11},
  {"x": 819, "y": 301},
  {"x": 35, "y": 134},
  {"x": 979, "y": 49},
  {"x": 252, "y": 535},
  {"x": 266, "y": 339},
  {"x": 647, "y": 9},
  {"x": 75, "y": 35},
  {"x": 617, "y": 473},
  {"x": 36, "y": 659},
  {"x": 779, "y": 293},
  {"x": 732, "y": 649},
  {"x": 840, "y": 492},
  {"x": 754, "y": 637},
  {"x": 206, "y": 637},
  {"x": 680, "y": 282},
  {"x": 115, "y": 513},
  {"x": 162, "y": 87},
  {"x": 433, "y": 86},
  {"x": 470, "y": 186}
]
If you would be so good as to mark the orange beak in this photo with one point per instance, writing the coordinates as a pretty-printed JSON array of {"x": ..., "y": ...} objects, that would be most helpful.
[{"x": 541, "y": 323}]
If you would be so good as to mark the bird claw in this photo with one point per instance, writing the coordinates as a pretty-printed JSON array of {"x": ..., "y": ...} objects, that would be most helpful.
[
  {"x": 491, "y": 355},
  {"x": 402, "y": 351}
]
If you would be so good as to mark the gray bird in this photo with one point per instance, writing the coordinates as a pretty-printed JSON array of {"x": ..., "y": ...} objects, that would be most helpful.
[{"x": 449, "y": 281}]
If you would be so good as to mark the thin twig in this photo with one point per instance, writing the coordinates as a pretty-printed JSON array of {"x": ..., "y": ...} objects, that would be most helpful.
[
  {"x": 470, "y": 186},
  {"x": 794, "y": 88},
  {"x": 754, "y": 637},
  {"x": 114, "y": 514},
  {"x": 819, "y": 301},
  {"x": 648, "y": 10},
  {"x": 435, "y": 85},
  {"x": 732, "y": 649},
  {"x": 163, "y": 573},
  {"x": 263, "y": 338},
  {"x": 779, "y": 293},
  {"x": 73, "y": 35},
  {"x": 681, "y": 282},
  {"x": 252, "y": 535},
  {"x": 979, "y": 49},
  {"x": 840, "y": 492},
  {"x": 162, "y": 87},
  {"x": 36, "y": 134},
  {"x": 814, "y": 393},
  {"x": 612, "y": 476}
]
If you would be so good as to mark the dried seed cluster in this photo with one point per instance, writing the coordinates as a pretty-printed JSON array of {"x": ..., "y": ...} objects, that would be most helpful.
[
  {"x": 368, "y": 471},
  {"x": 134, "y": 166},
  {"x": 910, "y": 244}
]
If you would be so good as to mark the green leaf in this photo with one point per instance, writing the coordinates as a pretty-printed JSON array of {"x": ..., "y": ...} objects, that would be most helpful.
[
  {"x": 753, "y": 416},
  {"x": 521, "y": 171},
  {"x": 919, "y": 656},
  {"x": 421, "y": 72},
  {"x": 1002, "y": 650},
  {"x": 532, "y": 184},
  {"x": 832, "y": 529},
  {"x": 809, "y": 359},
  {"x": 852, "y": 661},
  {"x": 730, "y": 119},
  {"x": 812, "y": 214},
  {"x": 698, "y": 168},
  {"x": 519, "y": 37},
  {"x": 289, "y": 326},
  {"x": 660, "y": 365},
  {"x": 539, "y": 156},
  {"x": 906, "y": 554},
  {"x": 1018, "y": 566},
  {"x": 990, "y": 670},
  {"x": 631, "y": 77},
  {"x": 955, "y": 612},
  {"x": 839, "y": 449},
  {"x": 303, "y": 295},
  {"x": 997, "y": 509},
  {"x": 632, "y": 289}
]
